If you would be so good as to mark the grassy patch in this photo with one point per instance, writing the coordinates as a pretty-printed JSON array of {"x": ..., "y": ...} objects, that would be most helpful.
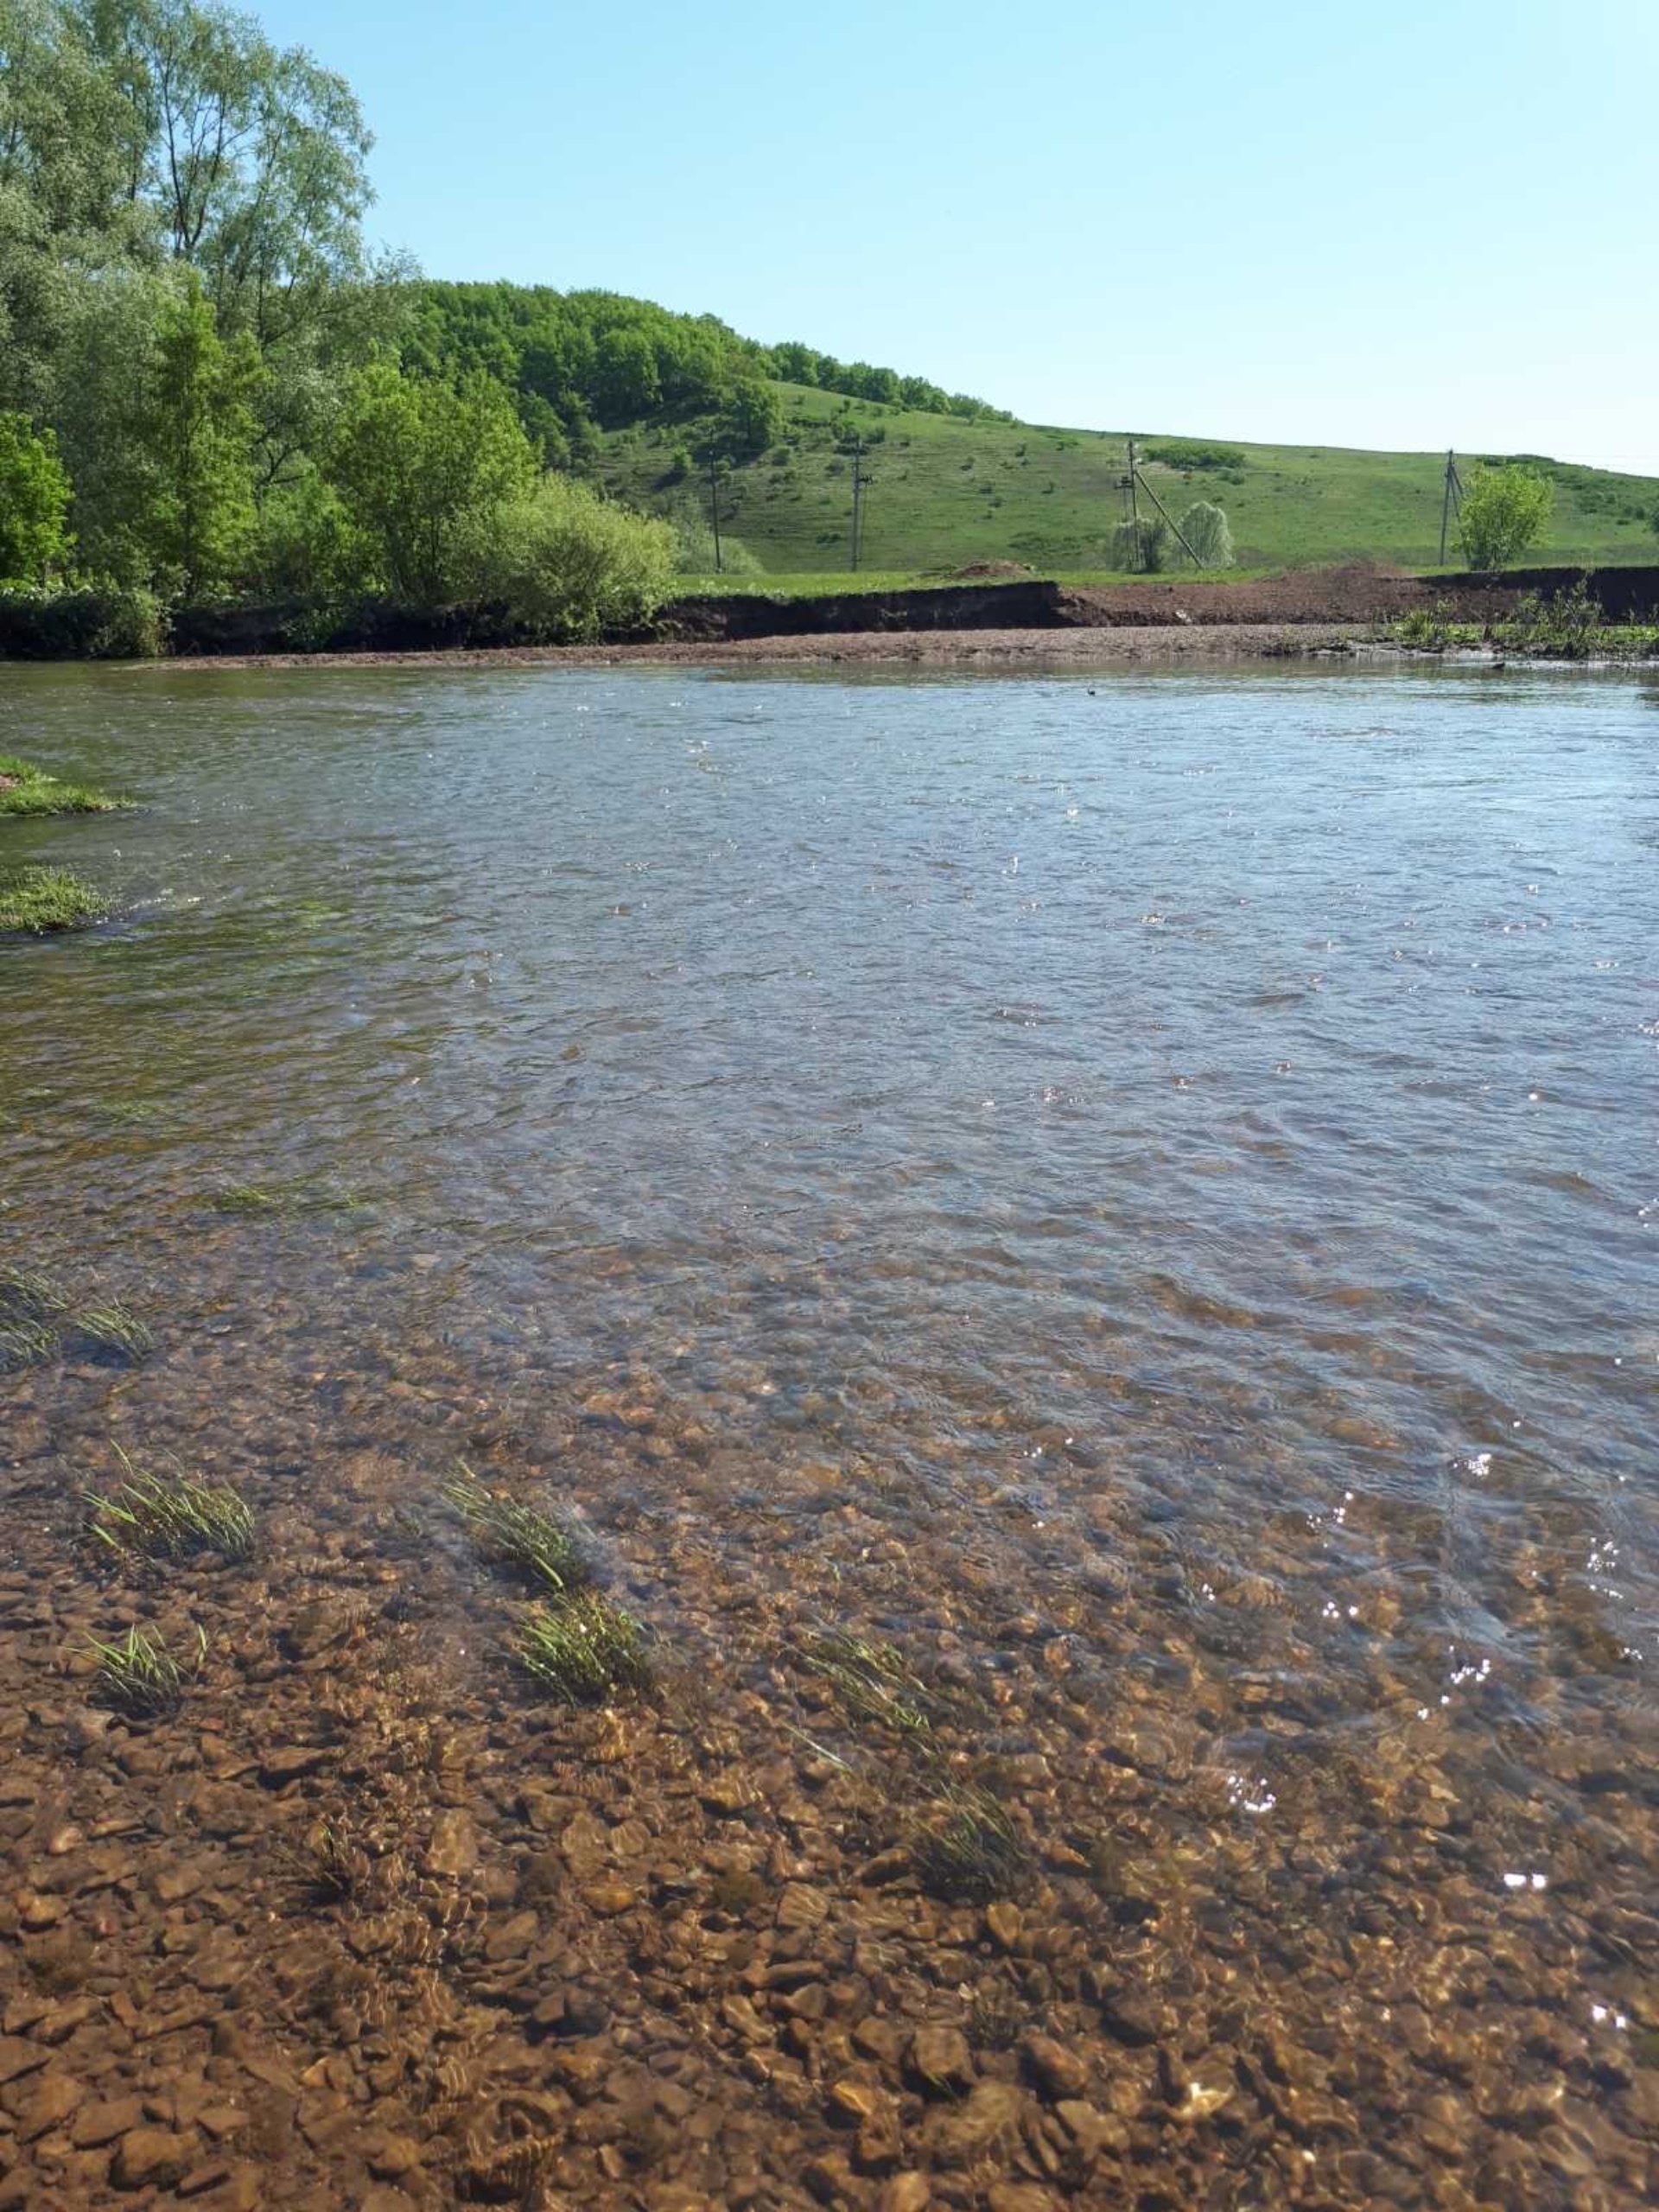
[
  {"x": 39, "y": 1318},
  {"x": 140, "y": 1678},
  {"x": 170, "y": 1517},
  {"x": 968, "y": 1848},
  {"x": 516, "y": 1536},
  {"x": 870, "y": 1681},
  {"x": 330, "y": 1867},
  {"x": 303, "y": 1194},
  {"x": 25, "y": 789},
  {"x": 38, "y": 899},
  {"x": 946, "y": 493},
  {"x": 583, "y": 1649}
]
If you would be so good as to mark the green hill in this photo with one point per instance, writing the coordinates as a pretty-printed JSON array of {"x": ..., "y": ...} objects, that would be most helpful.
[{"x": 947, "y": 494}]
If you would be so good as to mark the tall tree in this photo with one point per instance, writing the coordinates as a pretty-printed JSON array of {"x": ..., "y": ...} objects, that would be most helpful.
[
  {"x": 424, "y": 467},
  {"x": 196, "y": 426}
]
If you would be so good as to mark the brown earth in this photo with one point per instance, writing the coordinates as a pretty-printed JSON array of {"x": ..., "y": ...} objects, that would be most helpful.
[{"x": 1035, "y": 648}]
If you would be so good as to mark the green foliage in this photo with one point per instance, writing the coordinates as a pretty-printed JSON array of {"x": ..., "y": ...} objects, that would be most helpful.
[
  {"x": 37, "y": 901},
  {"x": 424, "y": 468},
  {"x": 196, "y": 428},
  {"x": 1204, "y": 528},
  {"x": 1193, "y": 453},
  {"x": 170, "y": 1517},
  {"x": 567, "y": 564},
  {"x": 751, "y": 419},
  {"x": 34, "y": 501},
  {"x": 583, "y": 1649},
  {"x": 82, "y": 622},
  {"x": 969, "y": 1848},
  {"x": 1504, "y": 511},
  {"x": 139, "y": 1677},
  {"x": 516, "y": 1536},
  {"x": 1140, "y": 545},
  {"x": 25, "y": 789}
]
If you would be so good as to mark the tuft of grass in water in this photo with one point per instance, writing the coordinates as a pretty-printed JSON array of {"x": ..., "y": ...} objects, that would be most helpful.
[
  {"x": 37, "y": 1314},
  {"x": 969, "y": 1848},
  {"x": 27, "y": 788},
  {"x": 583, "y": 1649},
  {"x": 515, "y": 1536},
  {"x": 26, "y": 1294},
  {"x": 871, "y": 1681},
  {"x": 140, "y": 1678},
  {"x": 39, "y": 899},
  {"x": 305, "y": 1194},
  {"x": 170, "y": 1517},
  {"x": 115, "y": 1330},
  {"x": 330, "y": 1867}
]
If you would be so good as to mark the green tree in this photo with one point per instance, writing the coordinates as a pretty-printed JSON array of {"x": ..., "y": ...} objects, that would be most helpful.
[
  {"x": 196, "y": 427},
  {"x": 1204, "y": 527},
  {"x": 751, "y": 419},
  {"x": 1140, "y": 547},
  {"x": 626, "y": 381},
  {"x": 34, "y": 501},
  {"x": 567, "y": 563},
  {"x": 425, "y": 468},
  {"x": 1504, "y": 511}
]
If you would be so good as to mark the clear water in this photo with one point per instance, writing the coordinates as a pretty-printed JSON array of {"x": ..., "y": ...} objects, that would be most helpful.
[{"x": 1162, "y": 1162}]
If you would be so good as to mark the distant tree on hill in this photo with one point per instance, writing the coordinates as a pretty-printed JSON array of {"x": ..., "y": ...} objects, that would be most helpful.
[
  {"x": 1205, "y": 529},
  {"x": 1504, "y": 511},
  {"x": 1140, "y": 547}
]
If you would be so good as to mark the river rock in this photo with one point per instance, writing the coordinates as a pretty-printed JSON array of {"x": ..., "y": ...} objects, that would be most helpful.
[
  {"x": 149, "y": 2157},
  {"x": 939, "y": 2060},
  {"x": 1059, "y": 2072}
]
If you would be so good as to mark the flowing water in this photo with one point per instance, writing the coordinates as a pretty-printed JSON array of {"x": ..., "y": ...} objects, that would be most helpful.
[{"x": 1141, "y": 1190}]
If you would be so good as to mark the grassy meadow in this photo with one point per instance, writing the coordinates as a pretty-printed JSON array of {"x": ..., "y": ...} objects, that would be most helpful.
[{"x": 945, "y": 494}]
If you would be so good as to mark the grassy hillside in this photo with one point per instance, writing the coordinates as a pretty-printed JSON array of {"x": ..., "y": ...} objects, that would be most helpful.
[{"x": 947, "y": 494}]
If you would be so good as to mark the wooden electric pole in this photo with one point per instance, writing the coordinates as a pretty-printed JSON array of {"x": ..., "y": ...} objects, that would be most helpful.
[
  {"x": 714, "y": 510},
  {"x": 860, "y": 484},
  {"x": 1135, "y": 483},
  {"x": 1451, "y": 496}
]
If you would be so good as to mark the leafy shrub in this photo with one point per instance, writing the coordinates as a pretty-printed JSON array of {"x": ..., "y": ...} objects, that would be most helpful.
[
  {"x": 1193, "y": 453},
  {"x": 1505, "y": 509},
  {"x": 1140, "y": 546},
  {"x": 93, "y": 621},
  {"x": 566, "y": 565},
  {"x": 1205, "y": 529}
]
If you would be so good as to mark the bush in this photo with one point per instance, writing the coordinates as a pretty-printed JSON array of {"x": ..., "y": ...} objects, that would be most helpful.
[
  {"x": 1191, "y": 453},
  {"x": 1503, "y": 510},
  {"x": 1206, "y": 529},
  {"x": 1140, "y": 546},
  {"x": 568, "y": 566},
  {"x": 98, "y": 621},
  {"x": 695, "y": 544}
]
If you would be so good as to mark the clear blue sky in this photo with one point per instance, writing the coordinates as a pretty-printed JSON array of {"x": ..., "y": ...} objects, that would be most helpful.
[{"x": 1417, "y": 224}]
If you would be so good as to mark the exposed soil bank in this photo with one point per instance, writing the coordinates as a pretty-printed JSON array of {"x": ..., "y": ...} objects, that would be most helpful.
[{"x": 1351, "y": 594}]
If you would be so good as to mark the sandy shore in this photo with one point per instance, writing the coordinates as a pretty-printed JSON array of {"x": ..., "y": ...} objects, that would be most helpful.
[{"x": 1081, "y": 648}]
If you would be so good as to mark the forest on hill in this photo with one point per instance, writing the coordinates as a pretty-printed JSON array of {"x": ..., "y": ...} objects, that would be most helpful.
[{"x": 213, "y": 387}]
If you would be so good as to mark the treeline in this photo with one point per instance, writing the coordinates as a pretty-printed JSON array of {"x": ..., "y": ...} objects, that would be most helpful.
[
  {"x": 583, "y": 361},
  {"x": 213, "y": 388}
]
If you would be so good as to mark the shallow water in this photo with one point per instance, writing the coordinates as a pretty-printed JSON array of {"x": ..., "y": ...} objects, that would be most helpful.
[{"x": 1154, "y": 1171}]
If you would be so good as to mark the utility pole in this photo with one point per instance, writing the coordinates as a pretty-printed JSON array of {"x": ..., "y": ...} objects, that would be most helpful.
[
  {"x": 714, "y": 509},
  {"x": 1133, "y": 483},
  {"x": 1451, "y": 496},
  {"x": 860, "y": 483}
]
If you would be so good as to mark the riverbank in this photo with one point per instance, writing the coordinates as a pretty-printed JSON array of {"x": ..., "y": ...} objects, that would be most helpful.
[{"x": 930, "y": 648}]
